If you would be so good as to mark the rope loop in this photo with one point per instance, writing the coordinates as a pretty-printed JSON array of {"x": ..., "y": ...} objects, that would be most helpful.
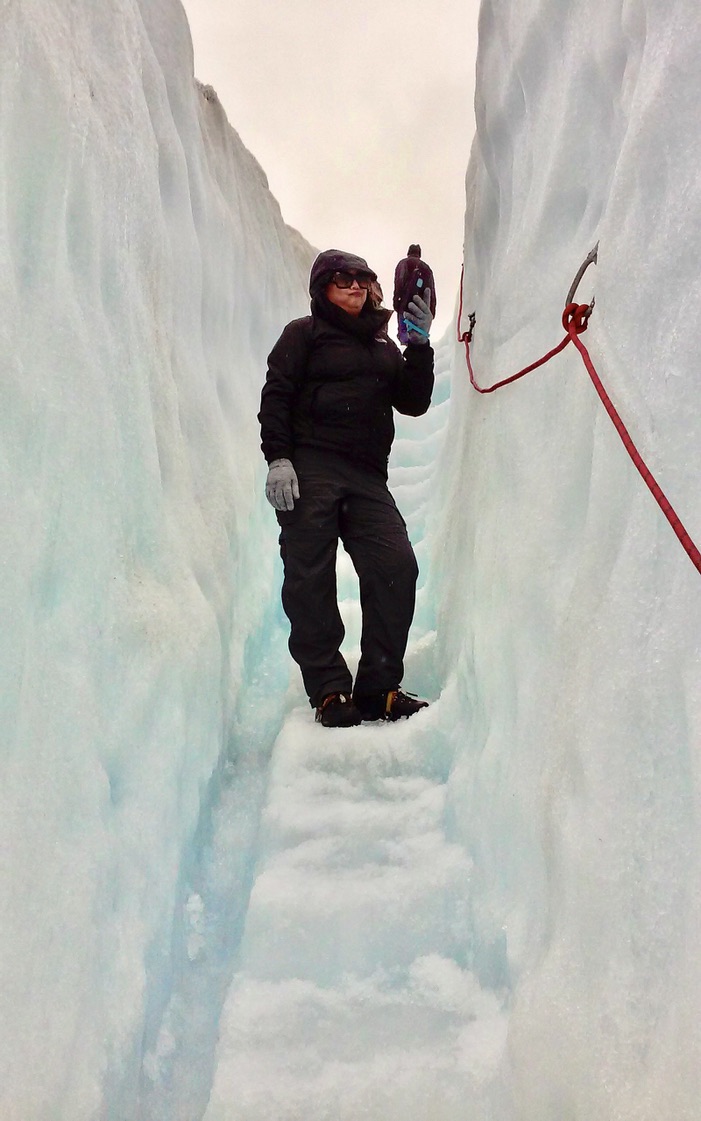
[{"x": 576, "y": 316}]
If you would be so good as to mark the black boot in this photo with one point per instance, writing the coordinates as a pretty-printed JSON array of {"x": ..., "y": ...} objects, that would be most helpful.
[
  {"x": 392, "y": 705},
  {"x": 338, "y": 711}
]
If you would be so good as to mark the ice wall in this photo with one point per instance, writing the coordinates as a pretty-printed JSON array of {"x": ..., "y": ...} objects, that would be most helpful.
[
  {"x": 144, "y": 272},
  {"x": 489, "y": 913},
  {"x": 570, "y": 616}
]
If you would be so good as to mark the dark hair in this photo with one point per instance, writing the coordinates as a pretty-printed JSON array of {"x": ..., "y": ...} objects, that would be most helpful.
[
  {"x": 375, "y": 294},
  {"x": 414, "y": 251}
]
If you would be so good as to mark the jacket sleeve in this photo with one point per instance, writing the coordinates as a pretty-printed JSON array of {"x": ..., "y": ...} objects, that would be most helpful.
[
  {"x": 400, "y": 275},
  {"x": 286, "y": 366},
  {"x": 432, "y": 285},
  {"x": 413, "y": 381}
]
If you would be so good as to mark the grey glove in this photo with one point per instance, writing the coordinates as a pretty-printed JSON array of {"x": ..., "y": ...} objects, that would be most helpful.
[
  {"x": 281, "y": 486},
  {"x": 418, "y": 318}
]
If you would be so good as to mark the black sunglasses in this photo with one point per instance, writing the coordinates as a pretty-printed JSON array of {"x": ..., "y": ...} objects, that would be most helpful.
[{"x": 345, "y": 280}]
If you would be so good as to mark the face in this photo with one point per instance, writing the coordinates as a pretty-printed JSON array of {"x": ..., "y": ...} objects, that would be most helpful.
[{"x": 350, "y": 300}]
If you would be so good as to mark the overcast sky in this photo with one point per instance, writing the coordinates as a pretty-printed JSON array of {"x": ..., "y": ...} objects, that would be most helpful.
[{"x": 361, "y": 117}]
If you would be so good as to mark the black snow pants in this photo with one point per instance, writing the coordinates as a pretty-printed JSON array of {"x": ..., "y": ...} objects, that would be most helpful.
[{"x": 339, "y": 499}]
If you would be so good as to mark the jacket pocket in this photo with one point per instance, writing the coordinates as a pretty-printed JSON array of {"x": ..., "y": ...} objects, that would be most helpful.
[{"x": 347, "y": 404}]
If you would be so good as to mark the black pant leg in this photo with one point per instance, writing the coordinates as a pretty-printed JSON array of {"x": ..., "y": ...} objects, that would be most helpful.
[
  {"x": 308, "y": 544},
  {"x": 374, "y": 534}
]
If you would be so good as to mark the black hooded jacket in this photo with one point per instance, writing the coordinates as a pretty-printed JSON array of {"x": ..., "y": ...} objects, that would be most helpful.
[{"x": 333, "y": 380}]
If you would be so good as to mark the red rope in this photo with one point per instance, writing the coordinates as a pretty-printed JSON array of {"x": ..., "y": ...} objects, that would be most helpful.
[
  {"x": 466, "y": 338},
  {"x": 575, "y": 320},
  {"x": 649, "y": 479}
]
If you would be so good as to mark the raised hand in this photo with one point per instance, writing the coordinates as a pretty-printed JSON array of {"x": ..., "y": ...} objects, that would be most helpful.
[{"x": 418, "y": 317}]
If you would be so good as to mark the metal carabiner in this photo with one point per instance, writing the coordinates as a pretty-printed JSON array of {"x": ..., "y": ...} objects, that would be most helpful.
[{"x": 590, "y": 260}]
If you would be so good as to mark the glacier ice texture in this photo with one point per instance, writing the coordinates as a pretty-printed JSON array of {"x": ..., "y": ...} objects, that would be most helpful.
[
  {"x": 211, "y": 907},
  {"x": 145, "y": 271}
]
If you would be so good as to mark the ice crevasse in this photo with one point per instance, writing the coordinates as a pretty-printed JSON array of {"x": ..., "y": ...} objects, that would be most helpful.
[{"x": 210, "y": 906}]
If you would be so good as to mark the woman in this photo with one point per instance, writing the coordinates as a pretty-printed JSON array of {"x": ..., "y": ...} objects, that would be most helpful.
[{"x": 327, "y": 429}]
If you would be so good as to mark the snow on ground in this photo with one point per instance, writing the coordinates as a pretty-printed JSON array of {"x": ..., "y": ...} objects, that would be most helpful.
[{"x": 349, "y": 998}]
